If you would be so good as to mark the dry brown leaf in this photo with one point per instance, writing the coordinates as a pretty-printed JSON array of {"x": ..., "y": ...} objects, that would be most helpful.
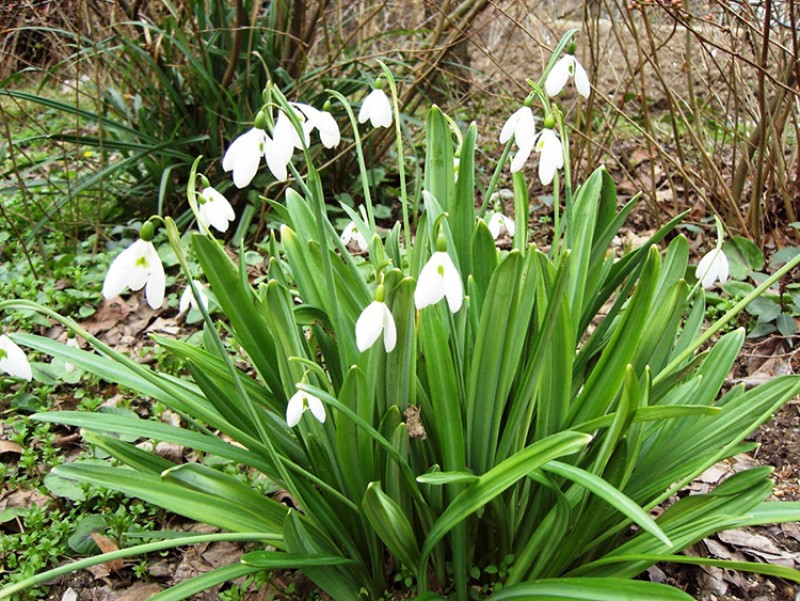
[
  {"x": 107, "y": 546},
  {"x": 758, "y": 545},
  {"x": 10, "y": 447},
  {"x": 140, "y": 592}
]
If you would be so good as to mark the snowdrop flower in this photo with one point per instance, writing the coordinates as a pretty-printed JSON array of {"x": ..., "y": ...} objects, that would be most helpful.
[
  {"x": 499, "y": 222},
  {"x": 373, "y": 321},
  {"x": 377, "y": 108},
  {"x": 13, "y": 360},
  {"x": 323, "y": 122},
  {"x": 551, "y": 155},
  {"x": 567, "y": 66},
  {"x": 188, "y": 299},
  {"x": 301, "y": 402},
  {"x": 522, "y": 126},
  {"x": 713, "y": 267},
  {"x": 439, "y": 279},
  {"x": 244, "y": 155},
  {"x": 137, "y": 267},
  {"x": 214, "y": 209},
  {"x": 351, "y": 234},
  {"x": 72, "y": 342}
]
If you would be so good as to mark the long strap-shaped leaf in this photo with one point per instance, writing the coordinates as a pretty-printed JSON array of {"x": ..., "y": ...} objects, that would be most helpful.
[
  {"x": 591, "y": 589},
  {"x": 494, "y": 482}
]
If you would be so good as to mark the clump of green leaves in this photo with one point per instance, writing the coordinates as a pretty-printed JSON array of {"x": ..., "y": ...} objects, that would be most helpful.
[{"x": 527, "y": 411}]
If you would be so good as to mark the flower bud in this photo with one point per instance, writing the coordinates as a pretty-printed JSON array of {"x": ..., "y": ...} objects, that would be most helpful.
[
  {"x": 441, "y": 243},
  {"x": 148, "y": 231},
  {"x": 570, "y": 49},
  {"x": 260, "y": 121},
  {"x": 549, "y": 122},
  {"x": 380, "y": 293}
]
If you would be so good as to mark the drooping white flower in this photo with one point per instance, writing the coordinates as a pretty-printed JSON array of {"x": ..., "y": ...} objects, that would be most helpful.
[
  {"x": 136, "y": 267},
  {"x": 214, "y": 209},
  {"x": 188, "y": 299},
  {"x": 301, "y": 402},
  {"x": 377, "y": 108},
  {"x": 567, "y": 66},
  {"x": 13, "y": 360},
  {"x": 244, "y": 155},
  {"x": 499, "y": 222},
  {"x": 522, "y": 126},
  {"x": 351, "y": 234},
  {"x": 439, "y": 279},
  {"x": 551, "y": 155},
  {"x": 374, "y": 320},
  {"x": 323, "y": 122},
  {"x": 72, "y": 342},
  {"x": 713, "y": 267}
]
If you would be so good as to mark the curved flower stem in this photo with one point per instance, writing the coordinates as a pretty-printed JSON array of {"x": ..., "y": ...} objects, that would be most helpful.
[
  {"x": 362, "y": 166},
  {"x": 401, "y": 168}
]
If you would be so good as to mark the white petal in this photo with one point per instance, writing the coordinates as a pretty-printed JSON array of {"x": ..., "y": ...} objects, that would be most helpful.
[
  {"x": 14, "y": 362},
  {"x": 582, "y": 80},
  {"x": 558, "y": 75},
  {"x": 243, "y": 156},
  {"x": 316, "y": 407},
  {"x": 186, "y": 301},
  {"x": 525, "y": 129},
  {"x": 713, "y": 266},
  {"x": 495, "y": 224},
  {"x": 389, "y": 330},
  {"x": 430, "y": 284},
  {"x": 509, "y": 126},
  {"x": 547, "y": 172},
  {"x": 325, "y": 124},
  {"x": 156, "y": 281},
  {"x": 377, "y": 108},
  {"x": 351, "y": 234},
  {"x": 453, "y": 289},
  {"x": 550, "y": 148},
  {"x": 511, "y": 227},
  {"x": 369, "y": 325},
  {"x": 278, "y": 153},
  {"x": 295, "y": 408},
  {"x": 523, "y": 152},
  {"x": 123, "y": 271},
  {"x": 216, "y": 210}
]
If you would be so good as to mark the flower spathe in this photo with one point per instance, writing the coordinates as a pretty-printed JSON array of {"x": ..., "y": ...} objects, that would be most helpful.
[
  {"x": 439, "y": 279},
  {"x": 13, "y": 360},
  {"x": 567, "y": 66},
  {"x": 351, "y": 234},
  {"x": 374, "y": 320},
  {"x": 214, "y": 210},
  {"x": 244, "y": 155},
  {"x": 301, "y": 402},
  {"x": 377, "y": 109},
  {"x": 137, "y": 267},
  {"x": 713, "y": 267},
  {"x": 499, "y": 222}
]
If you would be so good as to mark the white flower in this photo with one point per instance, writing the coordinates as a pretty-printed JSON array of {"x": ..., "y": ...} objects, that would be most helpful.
[
  {"x": 188, "y": 299},
  {"x": 244, "y": 155},
  {"x": 324, "y": 123},
  {"x": 499, "y": 222},
  {"x": 137, "y": 266},
  {"x": 301, "y": 402},
  {"x": 376, "y": 318},
  {"x": 439, "y": 279},
  {"x": 13, "y": 360},
  {"x": 72, "y": 342},
  {"x": 567, "y": 65},
  {"x": 377, "y": 108},
  {"x": 522, "y": 126},
  {"x": 713, "y": 266},
  {"x": 551, "y": 155},
  {"x": 214, "y": 209},
  {"x": 351, "y": 234}
]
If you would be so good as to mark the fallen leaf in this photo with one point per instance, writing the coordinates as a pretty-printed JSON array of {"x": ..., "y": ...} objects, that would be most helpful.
[
  {"x": 107, "y": 546},
  {"x": 10, "y": 447},
  {"x": 140, "y": 592}
]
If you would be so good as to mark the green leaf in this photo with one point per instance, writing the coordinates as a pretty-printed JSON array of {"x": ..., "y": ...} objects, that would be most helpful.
[
  {"x": 743, "y": 256},
  {"x": 391, "y": 525},
  {"x": 764, "y": 308},
  {"x": 204, "y": 582},
  {"x": 441, "y": 478},
  {"x": 591, "y": 589},
  {"x": 80, "y": 540},
  {"x": 786, "y": 324},
  {"x": 274, "y": 560}
]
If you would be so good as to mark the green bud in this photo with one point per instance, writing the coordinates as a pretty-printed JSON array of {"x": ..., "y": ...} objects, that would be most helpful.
[
  {"x": 148, "y": 231},
  {"x": 261, "y": 120},
  {"x": 550, "y": 122},
  {"x": 327, "y": 105},
  {"x": 441, "y": 243},
  {"x": 204, "y": 181},
  {"x": 571, "y": 47},
  {"x": 529, "y": 100},
  {"x": 380, "y": 293},
  {"x": 379, "y": 83}
]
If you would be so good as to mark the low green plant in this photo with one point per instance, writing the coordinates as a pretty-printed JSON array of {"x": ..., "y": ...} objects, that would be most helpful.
[{"x": 511, "y": 442}]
